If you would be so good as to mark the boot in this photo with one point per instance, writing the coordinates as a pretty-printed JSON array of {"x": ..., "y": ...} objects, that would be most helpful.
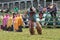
[
  {"x": 31, "y": 27},
  {"x": 32, "y": 32},
  {"x": 39, "y": 28}
]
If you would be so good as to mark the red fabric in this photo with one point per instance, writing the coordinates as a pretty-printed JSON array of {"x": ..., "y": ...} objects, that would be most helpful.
[{"x": 40, "y": 15}]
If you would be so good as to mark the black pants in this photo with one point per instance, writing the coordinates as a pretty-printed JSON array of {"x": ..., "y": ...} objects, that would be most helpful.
[
  {"x": 20, "y": 29},
  {"x": 10, "y": 28},
  {"x": 4, "y": 27},
  {"x": 53, "y": 14}
]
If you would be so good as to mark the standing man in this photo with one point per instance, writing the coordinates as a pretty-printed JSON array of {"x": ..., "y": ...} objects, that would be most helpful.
[{"x": 32, "y": 19}]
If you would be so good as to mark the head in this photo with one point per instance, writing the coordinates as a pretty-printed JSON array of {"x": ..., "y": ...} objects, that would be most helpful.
[
  {"x": 14, "y": 15},
  {"x": 51, "y": 6},
  {"x": 44, "y": 9},
  {"x": 32, "y": 9},
  {"x": 7, "y": 15},
  {"x": 18, "y": 15}
]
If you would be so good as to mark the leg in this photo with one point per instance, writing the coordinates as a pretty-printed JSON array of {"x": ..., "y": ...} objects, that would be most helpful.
[
  {"x": 1, "y": 26},
  {"x": 31, "y": 28},
  {"x": 11, "y": 27},
  {"x": 20, "y": 29},
  {"x": 55, "y": 14},
  {"x": 39, "y": 28},
  {"x": 51, "y": 14}
]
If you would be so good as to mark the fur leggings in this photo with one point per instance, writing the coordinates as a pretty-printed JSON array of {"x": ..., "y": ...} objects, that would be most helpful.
[{"x": 38, "y": 27}]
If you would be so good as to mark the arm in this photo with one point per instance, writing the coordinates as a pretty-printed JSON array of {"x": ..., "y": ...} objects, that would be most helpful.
[{"x": 25, "y": 14}]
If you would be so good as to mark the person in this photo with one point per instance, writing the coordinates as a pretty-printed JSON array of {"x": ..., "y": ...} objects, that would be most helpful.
[
  {"x": 8, "y": 10},
  {"x": 32, "y": 19},
  {"x": 9, "y": 23},
  {"x": 25, "y": 20},
  {"x": 15, "y": 22},
  {"x": 44, "y": 11},
  {"x": 20, "y": 22},
  {"x": 40, "y": 8},
  {"x": 53, "y": 10},
  {"x": 4, "y": 22}
]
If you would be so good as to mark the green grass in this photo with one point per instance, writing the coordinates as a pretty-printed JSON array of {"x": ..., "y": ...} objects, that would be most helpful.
[{"x": 48, "y": 34}]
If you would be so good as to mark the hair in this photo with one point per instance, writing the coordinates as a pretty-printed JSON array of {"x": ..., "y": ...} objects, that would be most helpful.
[
  {"x": 31, "y": 9},
  {"x": 13, "y": 15}
]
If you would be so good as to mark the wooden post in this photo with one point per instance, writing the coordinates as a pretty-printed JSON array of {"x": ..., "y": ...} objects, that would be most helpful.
[
  {"x": 32, "y": 2},
  {"x": 25, "y": 4},
  {"x": 52, "y": 2},
  {"x": 44, "y": 3},
  {"x": 54, "y": 22}
]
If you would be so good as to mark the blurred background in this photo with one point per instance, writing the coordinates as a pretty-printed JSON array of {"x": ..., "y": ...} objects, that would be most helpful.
[{"x": 24, "y": 4}]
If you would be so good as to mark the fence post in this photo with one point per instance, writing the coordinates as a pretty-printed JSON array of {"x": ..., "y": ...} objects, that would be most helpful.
[
  {"x": 19, "y": 5},
  {"x": 38, "y": 2},
  {"x": 32, "y": 2},
  {"x": 8, "y": 4},
  {"x": 13, "y": 4},
  {"x": 2, "y": 5},
  {"x": 25, "y": 4},
  {"x": 44, "y": 3},
  {"x": 52, "y": 1},
  {"x": 54, "y": 22}
]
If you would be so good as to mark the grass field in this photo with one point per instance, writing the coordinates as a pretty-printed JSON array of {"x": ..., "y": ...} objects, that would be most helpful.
[{"x": 48, "y": 34}]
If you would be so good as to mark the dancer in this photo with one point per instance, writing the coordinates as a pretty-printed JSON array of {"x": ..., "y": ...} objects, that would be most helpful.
[{"x": 32, "y": 19}]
